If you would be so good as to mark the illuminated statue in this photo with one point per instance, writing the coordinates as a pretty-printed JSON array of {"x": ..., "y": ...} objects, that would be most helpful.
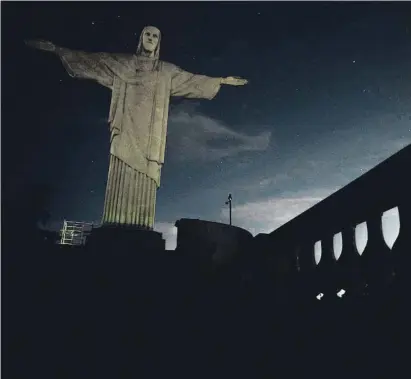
[{"x": 141, "y": 86}]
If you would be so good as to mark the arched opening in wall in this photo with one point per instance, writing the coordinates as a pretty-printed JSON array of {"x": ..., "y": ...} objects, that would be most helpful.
[
  {"x": 390, "y": 222},
  {"x": 317, "y": 252},
  {"x": 337, "y": 245},
  {"x": 361, "y": 237}
]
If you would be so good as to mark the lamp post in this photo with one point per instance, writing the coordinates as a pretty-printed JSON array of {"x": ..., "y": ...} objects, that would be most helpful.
[{"x": 229, "y": 204}]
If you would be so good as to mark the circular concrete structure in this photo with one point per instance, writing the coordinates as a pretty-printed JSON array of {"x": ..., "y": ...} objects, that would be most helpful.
[{"x": 211, "y": 240}]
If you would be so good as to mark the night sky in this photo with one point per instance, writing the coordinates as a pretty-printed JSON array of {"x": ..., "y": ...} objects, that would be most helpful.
[{"x": 329, "y": 97}]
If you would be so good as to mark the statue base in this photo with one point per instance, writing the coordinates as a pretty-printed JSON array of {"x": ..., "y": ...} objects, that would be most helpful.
[{"x": 124, "y": 239}]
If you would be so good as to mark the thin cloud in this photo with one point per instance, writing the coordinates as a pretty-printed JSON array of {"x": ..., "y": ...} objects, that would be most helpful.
[
  {"x": 194, "y": 136},
  {"x": 264, "y": 216}
]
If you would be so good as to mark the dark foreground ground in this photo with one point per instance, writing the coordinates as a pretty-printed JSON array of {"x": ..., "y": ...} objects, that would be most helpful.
[{"x": 68, "y": 313}]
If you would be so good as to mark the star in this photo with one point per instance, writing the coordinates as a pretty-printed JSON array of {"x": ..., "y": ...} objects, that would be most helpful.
[
  {"x": 353, "y": 61},
  {"x": 92, "y": 22}
]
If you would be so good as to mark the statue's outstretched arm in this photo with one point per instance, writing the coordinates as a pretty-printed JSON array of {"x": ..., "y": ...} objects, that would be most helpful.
[
  {"x": 42, "y": 45},
  {"x": 79, "y": 64},
  {"x": 194, "y": 86}
]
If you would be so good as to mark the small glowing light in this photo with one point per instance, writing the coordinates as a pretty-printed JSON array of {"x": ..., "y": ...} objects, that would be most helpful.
[
  {"x": 341, "y": 293},
  {"x": 92, "y": 22},
  {"x": 353, "y": 61},
  {"x": 320, "y": 296}
]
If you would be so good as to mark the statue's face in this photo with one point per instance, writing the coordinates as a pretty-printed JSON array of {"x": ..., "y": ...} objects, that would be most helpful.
[{"x": 150, "y": 38}]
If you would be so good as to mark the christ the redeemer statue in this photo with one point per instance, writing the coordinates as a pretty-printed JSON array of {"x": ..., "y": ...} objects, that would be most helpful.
[{"x": 141, "y": 85}]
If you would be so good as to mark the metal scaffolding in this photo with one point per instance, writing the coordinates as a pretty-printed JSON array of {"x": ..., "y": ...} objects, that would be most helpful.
[{"x": 75, "y": 232}]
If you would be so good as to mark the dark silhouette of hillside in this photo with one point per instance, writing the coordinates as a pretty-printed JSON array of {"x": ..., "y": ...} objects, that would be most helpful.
[
  {"x": 104, "y": 312},
  {"x": 71, "y": 315}
]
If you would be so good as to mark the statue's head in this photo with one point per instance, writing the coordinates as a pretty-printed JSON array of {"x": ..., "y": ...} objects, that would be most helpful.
[{"x": 149, "y": 43}]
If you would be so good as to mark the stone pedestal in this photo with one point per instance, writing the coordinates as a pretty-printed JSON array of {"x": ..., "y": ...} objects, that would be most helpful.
[{"x": 124, "y": 240}]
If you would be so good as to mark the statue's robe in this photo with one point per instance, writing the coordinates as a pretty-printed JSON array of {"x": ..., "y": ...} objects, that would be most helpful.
[{"x": 141, "y": 90}]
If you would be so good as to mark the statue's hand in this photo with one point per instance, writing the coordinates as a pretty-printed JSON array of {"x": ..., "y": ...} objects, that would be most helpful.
[
  {"x": 234, "y": 81},
  {"x": 41, "y": 45}
]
